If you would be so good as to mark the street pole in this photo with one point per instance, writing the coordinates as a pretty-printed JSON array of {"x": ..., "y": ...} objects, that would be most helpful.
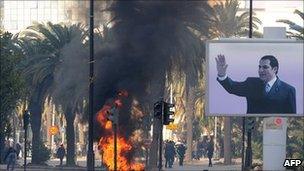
[
  {"x": 248, "y": 157},
  {"x": 25, "y": 142},
  {"x": 113, "y": 117},
  {"x": 248, "y": 162},
  {"x": 215, "y": 139},
  {"x": 160, "y": 162},
  {"x": 243, "y": 141},
  {"x": 250, "y": 19},
  {"x": 26, "y": 121},
  {"x": 53, "y": 124},
  {"x": 115, "y": 145},
  {"x": 90, "y": 155}
]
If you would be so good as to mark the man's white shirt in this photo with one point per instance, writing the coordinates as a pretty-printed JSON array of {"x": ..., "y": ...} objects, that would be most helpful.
[
  {"x": 271, "y": 82},
  {"x": 222, "y": 78}
]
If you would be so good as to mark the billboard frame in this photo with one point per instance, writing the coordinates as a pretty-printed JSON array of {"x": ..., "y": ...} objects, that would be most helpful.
[{"x": 246, "y": 40}]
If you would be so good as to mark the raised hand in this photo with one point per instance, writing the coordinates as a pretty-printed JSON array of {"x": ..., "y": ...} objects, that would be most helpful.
[{"x": 221, "y": 65}]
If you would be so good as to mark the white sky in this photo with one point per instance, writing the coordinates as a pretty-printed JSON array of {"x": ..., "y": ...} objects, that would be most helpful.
[{"x": 268, "y": 11}]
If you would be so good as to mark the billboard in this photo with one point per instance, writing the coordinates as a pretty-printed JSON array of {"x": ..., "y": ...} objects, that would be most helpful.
[{"x": 254, "y": 77}]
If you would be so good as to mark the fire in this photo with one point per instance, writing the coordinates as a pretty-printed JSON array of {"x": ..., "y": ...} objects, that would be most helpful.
[
  {"x": 137, "y": 166},
  {"x": 108, "y": 125},
  {"x": 102, "y": 117},
  {"x": 106, "y": 143},
  {"x": 122, "y": 151}
]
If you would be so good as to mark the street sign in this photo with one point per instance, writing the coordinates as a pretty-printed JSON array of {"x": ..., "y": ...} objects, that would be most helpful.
[
  {"x": 172, "y": 126},
  {"x": 53, "y": 130}
]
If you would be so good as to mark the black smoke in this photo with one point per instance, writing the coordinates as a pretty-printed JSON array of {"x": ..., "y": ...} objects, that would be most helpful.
[{"x": 148, "y": 39}]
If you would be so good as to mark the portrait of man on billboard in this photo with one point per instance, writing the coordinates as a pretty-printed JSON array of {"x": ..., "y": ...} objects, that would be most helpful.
[
  {"x": 264, "y": 94},
  {"x": 254, "y": 77}
]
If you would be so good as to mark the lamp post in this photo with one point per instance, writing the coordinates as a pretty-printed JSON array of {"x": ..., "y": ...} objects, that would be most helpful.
[
  {"x": 90, "y": 155},
  {"x": 115, "y": 124},
  {"x": 248, "y": 157},
  {"x": 26, "y": 121}
]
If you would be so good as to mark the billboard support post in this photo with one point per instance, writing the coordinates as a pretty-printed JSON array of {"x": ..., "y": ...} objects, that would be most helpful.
[{"x": 274, "y": 135}]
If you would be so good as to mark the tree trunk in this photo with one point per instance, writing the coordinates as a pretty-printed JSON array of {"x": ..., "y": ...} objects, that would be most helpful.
[
  {"x": 227, "y": 140},
  {"x": 2, "y": 145},
  {"x": 154, "y": 145},
  {"x": 70, "y": 137},
  {"x": 189, "y": 120},
  {"x": 35, "y": 109},
  {"x": 158, "y": 89}
]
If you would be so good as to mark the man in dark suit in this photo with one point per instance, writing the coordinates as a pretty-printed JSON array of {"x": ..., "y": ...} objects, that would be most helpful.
[{"x": 266, "y": 94}]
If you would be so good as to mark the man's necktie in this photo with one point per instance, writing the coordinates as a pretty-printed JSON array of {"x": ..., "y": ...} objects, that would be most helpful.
[{"x": 267, "y": 88}]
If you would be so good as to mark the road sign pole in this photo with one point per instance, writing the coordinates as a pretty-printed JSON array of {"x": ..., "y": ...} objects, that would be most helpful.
[{"x": 160, "y": 162}]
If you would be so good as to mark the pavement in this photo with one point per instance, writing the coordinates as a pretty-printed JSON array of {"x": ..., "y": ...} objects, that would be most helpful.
[
  {"x": 53, "y": 165},
  {"x": 202, "y": 165}
]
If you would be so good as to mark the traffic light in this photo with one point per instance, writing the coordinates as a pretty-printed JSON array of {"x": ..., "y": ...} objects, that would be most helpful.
[
  {"x": 168, "y": 113},
  {"x": 158, "y": 108},
  {"x": 26, "y": 119},
  {"x": 250, "y": 122}
]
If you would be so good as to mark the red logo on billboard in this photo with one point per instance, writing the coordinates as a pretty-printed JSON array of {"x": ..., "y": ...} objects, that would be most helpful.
[{"x": 278, "y": 121}]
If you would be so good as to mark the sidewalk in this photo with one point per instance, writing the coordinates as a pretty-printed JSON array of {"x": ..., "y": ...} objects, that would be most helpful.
[
  {"x": 203, "y": 165},
  {"x": 50, "y": 168},
  {"x": 53, "y": 165},
  {"x": 193, "y": 166}
]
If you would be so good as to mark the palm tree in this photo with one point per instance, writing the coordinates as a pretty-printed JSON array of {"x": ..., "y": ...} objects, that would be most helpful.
[
  {"x": 71, "y": 78},
  {"x": 70, "y": 83},
  {"x": 41, "y": 44},
  {"x": 37, "y": 67},
  {"x": 296, "y": 31},
  {"x": 226, "y": 22},
  {"x": 10, "y": 86}
]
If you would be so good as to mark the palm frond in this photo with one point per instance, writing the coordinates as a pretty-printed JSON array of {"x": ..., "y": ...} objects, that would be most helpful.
[
  {"x": 301, "y": 14},
  {"x": 296, "y": 31}
]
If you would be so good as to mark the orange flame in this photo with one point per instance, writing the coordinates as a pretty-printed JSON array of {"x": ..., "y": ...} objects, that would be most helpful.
[
  {"x": 137, "y": 167},
  {"x": 108, "y": 125},
  {"x": 106, "y": 143},
  {"x": 102, "y": 117}
]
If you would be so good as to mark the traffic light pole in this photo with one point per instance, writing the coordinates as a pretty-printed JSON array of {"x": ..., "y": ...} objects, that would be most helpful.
[
  {"x": 115, "y": 145},
  {"x": 160, "y": 162},
  {"x": 26, "y": 121},
  {"x": 113, "y": 117}
]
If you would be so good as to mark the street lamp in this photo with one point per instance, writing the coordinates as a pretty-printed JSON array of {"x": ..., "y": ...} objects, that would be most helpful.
[
  {"x": 90, "y": 155},
  {"x": 26, "y": 121},
  {"x": 247, "y": 161}
]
